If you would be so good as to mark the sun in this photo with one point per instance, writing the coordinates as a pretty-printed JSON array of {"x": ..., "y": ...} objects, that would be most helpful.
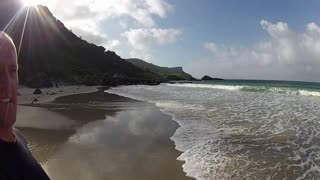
[
  {"x": 32, "y": 2},
  {"x": 49, "y": 3}
]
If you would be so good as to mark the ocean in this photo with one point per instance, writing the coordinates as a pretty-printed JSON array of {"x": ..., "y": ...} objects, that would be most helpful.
[{"x": 241, "y": 129}]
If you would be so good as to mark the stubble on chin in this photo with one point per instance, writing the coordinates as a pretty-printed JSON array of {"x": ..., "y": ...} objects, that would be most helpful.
[{"x": 7, "y": 115}]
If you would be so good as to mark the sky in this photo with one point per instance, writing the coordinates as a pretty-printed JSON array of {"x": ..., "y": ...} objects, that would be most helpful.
[{"x": 233, "y": 39}]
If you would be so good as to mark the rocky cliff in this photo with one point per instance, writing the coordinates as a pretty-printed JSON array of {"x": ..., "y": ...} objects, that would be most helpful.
[{"x": 169, "y": 73}]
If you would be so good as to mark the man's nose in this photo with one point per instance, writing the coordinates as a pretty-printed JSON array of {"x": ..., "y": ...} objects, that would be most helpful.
[{"x": 5, "y": 88}]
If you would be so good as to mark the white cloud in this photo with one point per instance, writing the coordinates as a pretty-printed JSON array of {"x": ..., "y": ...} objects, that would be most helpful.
[
  {"x": 90, "y": 36},
  {"x": 211, "y": 46},
  {"x": 86, "y": 18},
  {"x": 123, "y": 24},
  {"x": 159, "y": 7},
  {"x": 311, "y": 40},
  {"x": 97, "y": 38},
  {"x": 142, "y": 38},
  {"x": 143, "y": 11},
  {"x": 84, "y": 25},
  {"x": 111, "y": 44},
  {"x": 275, "y": 30},
  {"x": 285, "y": 54},
  {"x": 141, "y": 54}
]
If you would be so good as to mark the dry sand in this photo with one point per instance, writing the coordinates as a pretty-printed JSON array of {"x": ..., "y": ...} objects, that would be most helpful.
[{"x": 26, "y": 95}]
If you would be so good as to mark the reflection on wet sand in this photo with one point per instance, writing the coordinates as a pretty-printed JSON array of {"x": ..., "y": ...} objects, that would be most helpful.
[{"x": 114, "y": 138}]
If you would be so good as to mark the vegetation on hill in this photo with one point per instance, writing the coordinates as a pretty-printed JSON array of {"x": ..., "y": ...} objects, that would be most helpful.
[
  {"x": 173, "y": 73},
  {"x": 50, "y": 53}
]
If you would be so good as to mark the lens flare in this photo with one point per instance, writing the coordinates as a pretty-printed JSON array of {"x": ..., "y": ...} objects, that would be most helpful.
[{"x": 32, "y": 2}]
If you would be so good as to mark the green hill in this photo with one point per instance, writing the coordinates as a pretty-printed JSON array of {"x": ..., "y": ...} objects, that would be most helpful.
[
  {"x": 51, "y": 53},
  {"x": 169, "y": 73}
]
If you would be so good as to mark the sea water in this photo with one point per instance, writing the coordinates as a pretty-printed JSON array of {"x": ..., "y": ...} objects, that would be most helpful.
[{"x": 240, "y": 129}]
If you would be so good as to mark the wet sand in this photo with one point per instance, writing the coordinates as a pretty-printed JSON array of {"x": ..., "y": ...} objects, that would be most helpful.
[{"x": 101, "y": 136}]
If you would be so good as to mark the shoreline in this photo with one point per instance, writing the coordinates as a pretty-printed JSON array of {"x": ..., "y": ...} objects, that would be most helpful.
[{"x": 117, "y": 106}]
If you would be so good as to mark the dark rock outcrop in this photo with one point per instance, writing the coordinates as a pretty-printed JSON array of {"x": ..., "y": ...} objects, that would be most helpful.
[
  {"x": 34, "y": 100},
  {"x": 37, "y": 91},
  {"x": 208, "y": 78}
]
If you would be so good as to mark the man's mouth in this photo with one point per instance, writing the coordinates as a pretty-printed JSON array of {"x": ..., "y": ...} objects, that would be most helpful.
[{"x": 5, "y": 100}]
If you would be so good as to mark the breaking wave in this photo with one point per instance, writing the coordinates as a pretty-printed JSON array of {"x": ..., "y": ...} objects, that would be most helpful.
[
  {"x": 258, "y": 89},
  {"x": 227, "y": 133}
]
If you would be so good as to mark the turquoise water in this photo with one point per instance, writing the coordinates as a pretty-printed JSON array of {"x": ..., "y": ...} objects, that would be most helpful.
[
  {"x": 294, "y": 87},
  {"x": 240, "y": 129}
]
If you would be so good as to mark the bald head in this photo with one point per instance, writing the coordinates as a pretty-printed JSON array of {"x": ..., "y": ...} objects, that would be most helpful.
[
  {"x": 8, "y": 81},
  {"x": 7, "y": 47}
]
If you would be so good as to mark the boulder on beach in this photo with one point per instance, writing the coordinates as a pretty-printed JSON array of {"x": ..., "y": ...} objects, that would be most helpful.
[
  {"x": 34, "y": 100},
  {"x": 37, "y": 91}
]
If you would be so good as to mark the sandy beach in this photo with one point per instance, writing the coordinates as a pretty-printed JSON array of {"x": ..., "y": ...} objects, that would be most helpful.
[
  {"x": 77, "y": 133},
  {"x": 26, "y": 96}
]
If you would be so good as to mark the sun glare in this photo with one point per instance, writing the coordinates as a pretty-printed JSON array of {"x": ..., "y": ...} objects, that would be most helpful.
[{"x": 31, "y": 2}]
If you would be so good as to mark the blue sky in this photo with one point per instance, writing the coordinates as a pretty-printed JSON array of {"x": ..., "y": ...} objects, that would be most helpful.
[{"x": 254, "y": 39}]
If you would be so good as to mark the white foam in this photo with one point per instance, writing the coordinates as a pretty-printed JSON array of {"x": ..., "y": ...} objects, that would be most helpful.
[
  {"x": 309, "y": 93},
  {"x": 224, "y": 135},
  {"x": 177, "y": 105},
  {"x": 211, "y": 86},
  {"x": 238, "y": 88}
]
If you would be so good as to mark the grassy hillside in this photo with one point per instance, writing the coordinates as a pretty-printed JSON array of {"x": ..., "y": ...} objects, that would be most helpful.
[
  {"x": 173, "y": 73},
  {"x": 51, "y": 53}
]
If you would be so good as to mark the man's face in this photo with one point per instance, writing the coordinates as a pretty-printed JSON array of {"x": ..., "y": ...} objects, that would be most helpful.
[{"x": 8, "y": 84}]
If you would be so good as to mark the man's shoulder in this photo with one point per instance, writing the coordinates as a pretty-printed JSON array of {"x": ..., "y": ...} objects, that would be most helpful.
[
  {"x": 19, "y": 137},
  {"x": 19, "y": 161}
]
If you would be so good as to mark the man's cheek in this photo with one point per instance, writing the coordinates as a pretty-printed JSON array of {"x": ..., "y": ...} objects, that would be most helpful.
[
  {"x": 4, "y": 108},
  {"x": 2, "y": 111},
  {"x": 7, "y": 112}
]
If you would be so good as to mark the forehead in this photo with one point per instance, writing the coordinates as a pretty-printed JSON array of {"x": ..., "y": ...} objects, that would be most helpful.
[{"x": 8, "y": 54}]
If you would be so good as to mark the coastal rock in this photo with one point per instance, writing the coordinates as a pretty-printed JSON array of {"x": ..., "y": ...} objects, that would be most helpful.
[
  {"x": 34, "y": 100},
  {"x": 208, "y": 78},
  {"x": 37, "y": 91}
]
